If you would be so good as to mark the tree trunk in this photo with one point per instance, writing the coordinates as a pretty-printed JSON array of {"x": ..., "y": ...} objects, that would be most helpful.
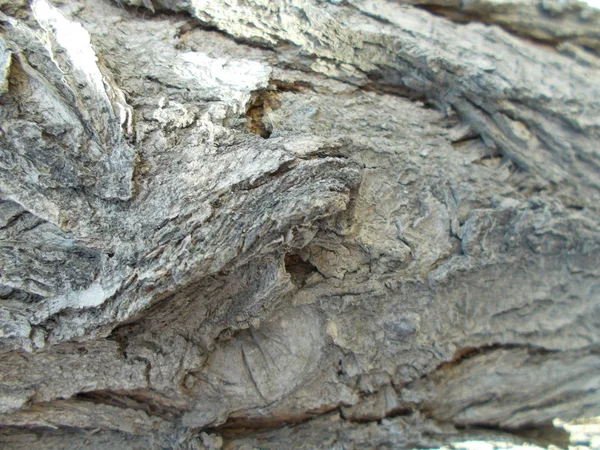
[{"x": 299, "y": 224}]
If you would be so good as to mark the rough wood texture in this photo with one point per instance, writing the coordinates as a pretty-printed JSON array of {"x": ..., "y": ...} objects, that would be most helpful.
[{"x": 299, "y": 224}]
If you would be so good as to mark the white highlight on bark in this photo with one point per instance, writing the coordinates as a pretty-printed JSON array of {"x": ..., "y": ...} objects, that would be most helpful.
[
  {"x": 91, "y": 297},
  {"x": 5, "y": 58},
  {"x": 74, "y": 39},
  {"x": 231, "y": 80}
]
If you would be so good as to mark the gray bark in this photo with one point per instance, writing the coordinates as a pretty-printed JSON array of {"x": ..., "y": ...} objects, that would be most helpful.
[{"x": 299, "y": 224}]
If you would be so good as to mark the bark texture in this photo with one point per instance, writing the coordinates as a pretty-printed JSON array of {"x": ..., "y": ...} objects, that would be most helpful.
[{"x": 299, "y": 224}]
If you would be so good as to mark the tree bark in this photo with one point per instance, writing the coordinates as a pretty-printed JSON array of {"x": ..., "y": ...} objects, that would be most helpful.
[{"x": 299, "y": 224}]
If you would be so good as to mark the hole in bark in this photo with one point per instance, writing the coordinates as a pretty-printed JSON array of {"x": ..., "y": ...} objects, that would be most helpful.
[
  {"x": 258, "y": 116},
  {"x": 264, "y": 102},
  {"x": 298, "y": 269}
]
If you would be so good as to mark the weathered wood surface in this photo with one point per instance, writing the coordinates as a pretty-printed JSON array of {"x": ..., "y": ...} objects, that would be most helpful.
[{"x": 298, "y": 224}]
